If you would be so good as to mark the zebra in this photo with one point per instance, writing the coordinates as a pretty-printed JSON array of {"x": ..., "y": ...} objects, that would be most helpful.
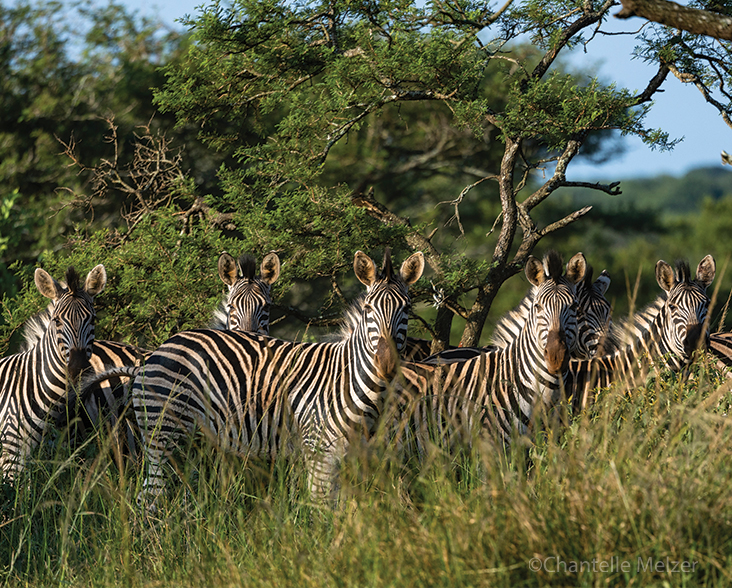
[
  {"x": 665, "y": 334},
  {"x": 496, "y": 390},
  {"x": 254, "y": 393},
  {"x": 247, "y": 303},
  {"x": 36, "y": 383},
  {"x": 595, "y": 330},
  {"x": 104, "y": 397},
  {"x": 720, "y": 345},
  {"x": 593, "y": 317}
]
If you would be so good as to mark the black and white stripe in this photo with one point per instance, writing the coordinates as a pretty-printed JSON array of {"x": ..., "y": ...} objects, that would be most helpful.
[
  {"x": 105, "y": 395},
  {"x": 256, "y": 394},
  {"x": 247, "y": 304},
  {"x": 663, "y": 336},
  {"x": 497, "y": 390},
  {"x": 35, "y": 384},
  {"x": 593, "y": 317}
]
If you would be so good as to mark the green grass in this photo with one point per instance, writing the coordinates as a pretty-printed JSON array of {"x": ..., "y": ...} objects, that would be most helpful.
[{"x": 641, "y": 477}]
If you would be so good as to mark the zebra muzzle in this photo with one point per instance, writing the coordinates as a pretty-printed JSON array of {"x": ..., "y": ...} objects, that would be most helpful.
[
  {"x": 78, "y": 362},
  {"x": 693, "y": 340},
  {"x": 556, "y": 353}
]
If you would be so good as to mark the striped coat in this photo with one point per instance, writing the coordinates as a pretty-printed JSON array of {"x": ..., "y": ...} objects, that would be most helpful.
[
  {"x": 663, "y": 336},
  {"x": 105, "y": 397},
  {"x": 35, "y": 384},
  {"x": 247, "y": 303},
  {"x": 594, "y": 326},
  {"x": 258, "y": 395},
  {"x": 498, "y": 390}
]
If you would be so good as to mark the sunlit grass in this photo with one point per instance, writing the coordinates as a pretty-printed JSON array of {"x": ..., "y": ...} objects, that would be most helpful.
[{"x": 638, "y": 482}]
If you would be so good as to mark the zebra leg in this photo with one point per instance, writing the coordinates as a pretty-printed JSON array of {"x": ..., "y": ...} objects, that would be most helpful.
[
  {"x": 16, "y": 447},
  {"x": 160, "y": 426},
  {"x": 322, "y": 462}
]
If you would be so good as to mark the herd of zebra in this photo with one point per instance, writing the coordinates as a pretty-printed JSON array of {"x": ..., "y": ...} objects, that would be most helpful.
[{"x": 262, "y": 396}]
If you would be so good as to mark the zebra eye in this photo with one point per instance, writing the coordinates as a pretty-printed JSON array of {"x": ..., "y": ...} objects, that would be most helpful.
[{"x": 672, "y": 307}]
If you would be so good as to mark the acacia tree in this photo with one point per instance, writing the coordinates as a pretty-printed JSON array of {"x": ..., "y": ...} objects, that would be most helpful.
[
  {"x": 350, "y": 123},
  {"x": 317, "y": 74}
]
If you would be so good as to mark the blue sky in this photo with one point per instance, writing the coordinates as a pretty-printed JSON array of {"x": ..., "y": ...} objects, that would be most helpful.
[{"x": 680, "y": 109}]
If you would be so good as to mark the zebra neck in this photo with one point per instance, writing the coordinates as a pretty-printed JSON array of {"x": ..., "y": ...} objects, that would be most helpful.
[
  {"x": 51, "y": 377},
  {"x": 651, "y": 347},
  {"x": 360, "y": 365}
]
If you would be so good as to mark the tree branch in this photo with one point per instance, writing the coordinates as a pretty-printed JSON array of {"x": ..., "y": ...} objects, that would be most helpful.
[{"x": 692, "y": 20}]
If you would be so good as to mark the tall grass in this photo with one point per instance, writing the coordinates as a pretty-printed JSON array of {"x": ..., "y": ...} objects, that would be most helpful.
[{"x": 640, "y": 481}]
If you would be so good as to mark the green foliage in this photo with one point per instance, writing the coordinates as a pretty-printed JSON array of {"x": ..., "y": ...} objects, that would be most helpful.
[
  {"x": 66, "y": 68},
  {"x": 326, "y": 128},
  {"x": 556, "y": 108},
  {"x": 694, "y": 59}
]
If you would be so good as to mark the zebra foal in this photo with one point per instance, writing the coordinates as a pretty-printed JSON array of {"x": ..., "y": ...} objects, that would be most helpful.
[
  {"x": 496, "y": 391},
  {"x": 34, "y": 385},
  {"x": 255, "y": 394}
]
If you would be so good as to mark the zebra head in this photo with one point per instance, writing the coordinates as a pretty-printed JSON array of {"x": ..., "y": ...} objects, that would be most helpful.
[
  {"x": 72, "y": 315},
  {"x": 385, "y": 308},
  {"x": 685, "y": 310},
  {"x": 247, "y": 303},
  {"x": 553, "y": 314},
  {"x": 593, "y": 316}
]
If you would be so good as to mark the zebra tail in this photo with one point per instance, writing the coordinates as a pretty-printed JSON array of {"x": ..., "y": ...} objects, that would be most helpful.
[{"x": 123, "y": 371}]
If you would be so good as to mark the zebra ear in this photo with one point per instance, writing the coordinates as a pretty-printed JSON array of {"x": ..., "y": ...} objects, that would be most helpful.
[
  {"x": 665, "y": 275},
  {"x": 270, "y": 269},
  {"x": 705, "y": 271},
  {"x": 46, "y": 285},
  {"x": 95, "y": 280},
  {"x": 576, "y": 268},
  {"x": 365, "y": 269},
  {"x": 535, "y": 270},
  {"x": 602, "y": 283},
  {"x": 412, "y": 268},
  {"x": 228, "y": 270}
]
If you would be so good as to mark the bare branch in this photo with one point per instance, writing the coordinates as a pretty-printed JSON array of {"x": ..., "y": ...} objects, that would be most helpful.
[
  {"x": 689, "y": 78},
  {"x": 457, "y": 201},
  {"x": 611, "y": 188},
  {"x": 557, "y": 179},
  {"x": 560, "y": 224},
  {"x": 653, "y": 86}
]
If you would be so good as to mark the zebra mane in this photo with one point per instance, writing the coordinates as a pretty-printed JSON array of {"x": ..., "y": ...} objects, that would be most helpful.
[
  {"x": 587, "y": 280},
  {"x": 683, "y": 271},
  {"x": 553, "y": 264},
  {"x": 219, "y": 319},
  {"x": 35, "y": 328},
  {"x": 248, "y": 266},
  {"x": 387, "y": 269},
  {"x": 510, "y": 324},
  {"x": 72, "y": 280},
  {"x": 349, "y": 321}
]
